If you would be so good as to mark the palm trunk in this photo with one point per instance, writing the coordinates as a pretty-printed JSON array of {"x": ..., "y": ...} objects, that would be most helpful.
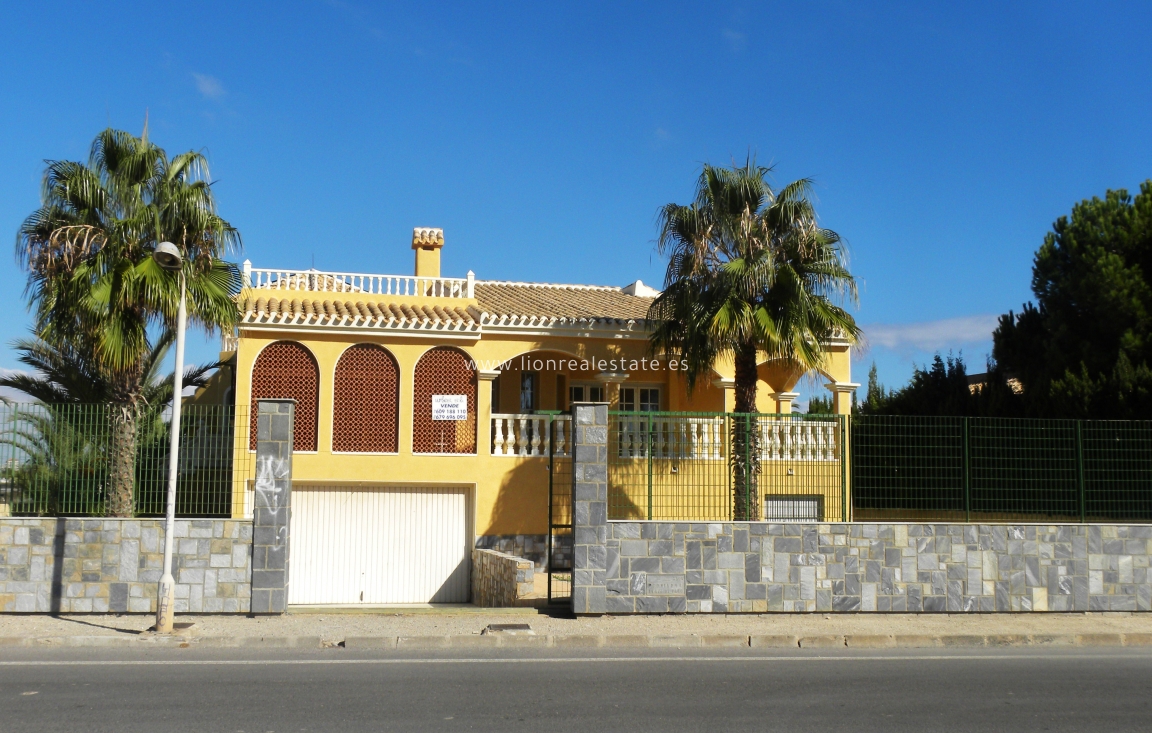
[
  {"x": 124, "y": 417},
  {"x": 745, "y": 438},
  {"x": 122, "y": 468}
]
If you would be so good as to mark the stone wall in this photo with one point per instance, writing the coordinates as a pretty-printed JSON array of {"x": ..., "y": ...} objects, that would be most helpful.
[
  {"x": 758, "y": 567},
  {"x": 500, "y": 580},
  {"x": 661, "y": 567},
  {"x": 532, "y": 547},
  {"x": 113, "y": 565}
]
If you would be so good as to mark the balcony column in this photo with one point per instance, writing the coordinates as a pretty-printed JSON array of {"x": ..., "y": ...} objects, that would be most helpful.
[
  {"x": 728, "y": 384},
  {"x": 485, "y": 378},
  {"x": 842, "y": 405},
  {"x": 842, "y": 396},
  {"x": 611, "y": 382},
  {"x": 783, "y": 401}
]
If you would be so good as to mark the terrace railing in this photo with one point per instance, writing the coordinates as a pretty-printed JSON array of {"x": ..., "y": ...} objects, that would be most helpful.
[
  {"x": 348, "y": 282},
  {"x": 529, "y": 435}
]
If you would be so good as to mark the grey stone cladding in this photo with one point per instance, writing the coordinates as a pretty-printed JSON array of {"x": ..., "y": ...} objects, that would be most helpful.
[
  {"x": 756, "y": 567},
  {"x": 532, "y": 547},
  {"x": 589, "y": 508},
  {"x": 271, "y": 514},
  {"x": 50, "y": 565}
]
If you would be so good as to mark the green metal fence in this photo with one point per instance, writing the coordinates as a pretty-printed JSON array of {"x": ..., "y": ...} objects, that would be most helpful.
[
  {"x": 55, "y": 460},
  {"x": 997, "y": 469},
  {"x": 724, "y": 466}
]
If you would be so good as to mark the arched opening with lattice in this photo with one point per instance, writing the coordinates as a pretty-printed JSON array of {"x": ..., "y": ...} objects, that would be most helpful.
[
  {"x": 287, "y": 370},
  {"x": 365, "y": 405},
  {"x": 443, "y": 371}
]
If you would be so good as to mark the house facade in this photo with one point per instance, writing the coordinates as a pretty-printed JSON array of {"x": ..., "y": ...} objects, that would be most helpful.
[{"x": 424, "y": 419}]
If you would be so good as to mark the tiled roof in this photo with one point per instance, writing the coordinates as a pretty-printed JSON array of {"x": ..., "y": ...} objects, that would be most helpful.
[
  {"x": 505, "y": 303},
  {"x": 498, "y": 304},
  {"x": 346, "y": 311}
]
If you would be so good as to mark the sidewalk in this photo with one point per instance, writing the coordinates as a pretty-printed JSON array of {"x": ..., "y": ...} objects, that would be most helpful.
[{"x": 466, "y": 626}]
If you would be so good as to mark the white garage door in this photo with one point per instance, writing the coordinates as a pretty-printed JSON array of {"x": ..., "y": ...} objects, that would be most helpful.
[{"x": 378, "y": 545}]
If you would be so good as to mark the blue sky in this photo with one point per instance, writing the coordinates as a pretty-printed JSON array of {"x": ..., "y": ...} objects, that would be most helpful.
[{"x": 944, "y": 138}]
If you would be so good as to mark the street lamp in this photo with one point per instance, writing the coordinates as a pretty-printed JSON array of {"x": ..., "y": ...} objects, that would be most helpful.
[{"x": 168, "y": 256}]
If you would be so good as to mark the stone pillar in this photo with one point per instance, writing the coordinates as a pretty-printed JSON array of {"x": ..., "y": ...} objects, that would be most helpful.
[
  {"x": 589, "y": 506},
  {"x": 272, "y": 511}
]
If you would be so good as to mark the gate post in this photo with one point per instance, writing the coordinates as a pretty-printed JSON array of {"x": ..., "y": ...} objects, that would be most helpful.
[
  {"x": 589, "y": 507},
  {"x": 272, "y": 511}
]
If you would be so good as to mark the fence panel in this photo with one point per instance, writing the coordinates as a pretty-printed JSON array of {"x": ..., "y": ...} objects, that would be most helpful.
[
  {"x": 1022, "y": 470},
  {"x": 1117, "y": 465},
  {"x": 679, "y": 466},
  {"x": 908, "y": 468},
  {"x": 55, "y": 460},
  {"x": 975, "y": 469}
]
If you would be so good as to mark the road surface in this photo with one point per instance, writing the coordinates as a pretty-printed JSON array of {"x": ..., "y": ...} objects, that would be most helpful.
[{"x": 256, "y": 691}]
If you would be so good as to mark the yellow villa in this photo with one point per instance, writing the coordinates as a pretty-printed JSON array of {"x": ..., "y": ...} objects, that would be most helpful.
[{"x": 425, "y": 419}]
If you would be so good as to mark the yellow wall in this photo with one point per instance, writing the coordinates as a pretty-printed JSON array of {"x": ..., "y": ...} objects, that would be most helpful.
[{"x": 510, "y": 493}]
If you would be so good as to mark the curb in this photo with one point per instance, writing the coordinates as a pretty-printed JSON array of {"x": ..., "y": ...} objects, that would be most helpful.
[{"x": 561, "y": 641}]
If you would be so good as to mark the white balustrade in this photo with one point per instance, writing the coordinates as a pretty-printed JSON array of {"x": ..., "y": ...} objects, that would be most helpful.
[
  {"x": 672, "y": 437},
  {"x": 669, "y": 437},
  {"x": 347, "y": 282},
  {"x": 798, "y": 440},
  {"x": 527, "y": 435}
]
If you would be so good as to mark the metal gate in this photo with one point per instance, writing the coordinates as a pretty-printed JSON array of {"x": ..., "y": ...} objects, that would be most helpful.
[{"x": 561, "y": 437}]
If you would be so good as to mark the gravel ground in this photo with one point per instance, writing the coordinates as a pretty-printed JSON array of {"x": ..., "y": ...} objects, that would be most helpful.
[{"x": 468, "y": 620}]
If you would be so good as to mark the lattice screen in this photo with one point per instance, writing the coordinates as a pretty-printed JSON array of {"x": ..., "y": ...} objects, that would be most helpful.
[
  {"x": 443, "y": 371},
  {"x": 365, "y": 408},
  {"x": 283, "y": 370}
]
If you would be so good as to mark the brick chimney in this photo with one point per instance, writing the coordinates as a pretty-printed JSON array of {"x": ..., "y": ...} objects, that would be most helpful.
[{"x": 427, "y": 243}]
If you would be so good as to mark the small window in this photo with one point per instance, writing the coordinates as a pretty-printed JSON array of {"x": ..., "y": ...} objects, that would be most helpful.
[
  {"x": 794, "y": 508},
  {"x": 586, "y": 393},
  {"x": 649, "y": 400},
  {"x": 640, "y": 399},
  {"x": 528, "y": 382},
  {"x": 628, "y": 399}
]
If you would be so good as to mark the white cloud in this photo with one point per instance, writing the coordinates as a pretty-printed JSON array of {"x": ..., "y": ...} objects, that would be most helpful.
[
  {"x": 209, "y": 86},
  {"x": 932, "y": 335}
]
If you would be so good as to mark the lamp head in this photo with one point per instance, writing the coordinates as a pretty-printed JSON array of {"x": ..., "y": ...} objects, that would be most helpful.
[{"x": 168, "y": 256}]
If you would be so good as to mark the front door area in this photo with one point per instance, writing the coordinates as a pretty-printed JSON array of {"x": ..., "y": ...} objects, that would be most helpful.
[{"x": 378, "y": 545}]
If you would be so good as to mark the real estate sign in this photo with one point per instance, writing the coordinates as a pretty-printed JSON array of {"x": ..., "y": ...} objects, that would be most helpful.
[{"x": 449, "y": 407}]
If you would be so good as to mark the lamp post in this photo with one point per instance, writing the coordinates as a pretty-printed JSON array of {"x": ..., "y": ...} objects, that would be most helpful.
[{"x": 168, "y": 256}]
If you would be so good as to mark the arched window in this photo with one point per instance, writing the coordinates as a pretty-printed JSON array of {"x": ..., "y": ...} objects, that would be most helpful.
[
  {"x": 443, "y": 371},
  {"x": 286, "y": 369},
  {"x": 365, "y": 405}
]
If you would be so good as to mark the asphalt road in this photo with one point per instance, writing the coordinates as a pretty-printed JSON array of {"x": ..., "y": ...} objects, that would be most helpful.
[{"x": 636, "y": 691}]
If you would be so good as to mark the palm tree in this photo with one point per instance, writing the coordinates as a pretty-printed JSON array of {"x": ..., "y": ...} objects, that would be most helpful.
[
  {"x": 92, "y": 280},
  {"x": 63, "y": 439},
  {"x": 750, "y": 273},
  {"x": 68, "y": 374}
]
